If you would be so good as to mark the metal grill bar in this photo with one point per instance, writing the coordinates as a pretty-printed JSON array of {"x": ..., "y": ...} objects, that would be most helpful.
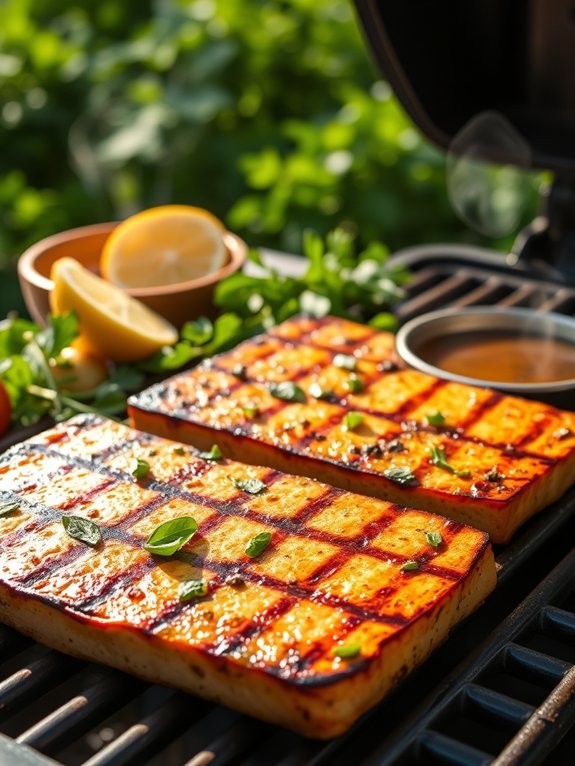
[
  {"x": 449, "y": 751},
  {"x": 548, "y": 724},
  {"x": 32, "y": 678},
  {"x": 141, "y": 737},
  {"x": 81, "y": 709},
  {"x": 534, "y": 666},
  {"x": 495, "y": 706},
  {"x": 559, "y": 620}
]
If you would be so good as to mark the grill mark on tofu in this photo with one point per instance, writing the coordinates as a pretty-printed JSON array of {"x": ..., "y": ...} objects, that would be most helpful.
[
  {"x": 331, "y": 575},
  {"x": 505, "y": 458},
  {"x": 147, "y": 400},
  {"x": 480, "y": 410},
  {"x": 236, "y": 507},
  {"x": 295, "y": 591},
  {"x": 229, "y": 644}
]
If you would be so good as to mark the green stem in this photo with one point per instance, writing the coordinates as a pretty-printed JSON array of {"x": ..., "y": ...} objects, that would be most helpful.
[{"x": 45, "y": 367}]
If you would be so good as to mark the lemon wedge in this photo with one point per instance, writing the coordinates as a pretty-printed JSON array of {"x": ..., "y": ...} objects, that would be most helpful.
[
  {"x": 163, "y": 246},
  {"x": 112, "y": 323}
]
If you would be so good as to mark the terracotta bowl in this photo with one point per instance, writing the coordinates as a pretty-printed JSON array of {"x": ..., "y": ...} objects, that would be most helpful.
[{"x": 177, "y": 303}]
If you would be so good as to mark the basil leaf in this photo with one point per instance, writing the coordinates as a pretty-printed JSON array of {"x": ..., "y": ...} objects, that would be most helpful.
[
  {"x": 287, "y": 391},
  {"x": 347, "y": 651},
  {"x": 198, "y": 332},
  {"x": 410, "y": 566},
  {"x": 258, "y": 544},
  {"x": 434, "y": 539},
  {"x": 251, "y": 411},
  {"x": 82, "y": 529},
  {"x": 8, "y": 506},
  {"x": 345, "y": 361},
  {"x": 439, "y": 459},
  {"x": 354, "y": 384},
  {"x": 251, "y": 486},
  {"x": 179, "y": 451},
  {"x": 436, "y": 418},
  {"x": 401, "y": 474},
  {"x": 214, "y": 454},
  {"x": 141, "y": 468},
  {"x": 318, "y": 392},
  {"x": 170, "y": 536},
  {"x": 192, "y": 589},
  {"x": 352, "y": 420}
]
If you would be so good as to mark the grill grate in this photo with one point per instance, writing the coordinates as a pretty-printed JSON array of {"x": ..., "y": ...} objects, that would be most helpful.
[
  {"x": 452, "y": 277},
  {"x": 509, "y": 702},
  {"x": 511, "y": 694}
]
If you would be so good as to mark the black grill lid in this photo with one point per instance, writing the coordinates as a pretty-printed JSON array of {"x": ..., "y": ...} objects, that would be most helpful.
[{"x": 450, "y": 60}]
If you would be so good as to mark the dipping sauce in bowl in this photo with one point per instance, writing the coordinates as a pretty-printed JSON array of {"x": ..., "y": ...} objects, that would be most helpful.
[
  {"x": 518, "y": 351},
  {"x": 501, "y": 356}
]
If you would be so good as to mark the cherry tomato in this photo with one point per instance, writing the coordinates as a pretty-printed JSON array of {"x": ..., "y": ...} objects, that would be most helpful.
[{"x": 5, "y": 410}]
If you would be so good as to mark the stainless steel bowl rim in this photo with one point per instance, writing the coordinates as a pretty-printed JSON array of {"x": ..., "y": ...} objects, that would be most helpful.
[{"x": 437, "y": 323}]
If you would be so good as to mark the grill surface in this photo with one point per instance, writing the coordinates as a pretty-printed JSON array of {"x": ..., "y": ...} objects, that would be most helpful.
[{"x": 509, "y": 702}]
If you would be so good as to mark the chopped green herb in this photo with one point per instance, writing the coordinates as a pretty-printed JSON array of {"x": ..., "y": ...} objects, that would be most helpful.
[
  {"x": 401, "y": 474},
  {"x": 354, "y": 384},
  {"x": 240, "y": 371},
  {"x": 345, "y": 361},
  {"x": 179, "y": 451},
  {"x": 214, "y": 454},
  {"x": 198, "y": 332},
  {"x": 436, "y": 418},
  {"x": 347, "y": 651},
  {"x": 434, "y": 539},
  {"x": 352, "y": 420},
  {"x": 251, "y": 486},
  {"x": 439, "y": 459},
  {"x": 82, "y": 529},
  {"x": 141, "y": 468},
  {"x": 170, "y": 536},
  {"x": 410, "y": 566},
  {"x": 258, "y": 544},
  {"x": 318, "y": 392},
  {"x": 8, "y": 506},
  {"x": 251, "y": 411},
  {"x": 493, "y": 475},
  {"x": 192, "y": 589},
  {"x": 287, "y": 391}
]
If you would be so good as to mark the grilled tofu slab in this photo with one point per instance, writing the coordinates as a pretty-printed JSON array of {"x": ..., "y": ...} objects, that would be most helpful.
[
  {"x": 326, "y": 399},
  {"x": 350, "y": 594}
]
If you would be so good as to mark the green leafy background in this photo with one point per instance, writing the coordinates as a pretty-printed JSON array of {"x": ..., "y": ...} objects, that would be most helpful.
[{"x": 268, "y": 113}]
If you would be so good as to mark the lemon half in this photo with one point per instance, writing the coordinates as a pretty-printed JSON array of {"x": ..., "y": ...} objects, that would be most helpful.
[
  {"x": 112, "y": 323},
  {"x": 163, "y": 246}
]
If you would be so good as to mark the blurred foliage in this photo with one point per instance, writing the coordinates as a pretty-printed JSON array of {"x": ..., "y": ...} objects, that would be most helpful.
[{"x": 268, "y": 112}]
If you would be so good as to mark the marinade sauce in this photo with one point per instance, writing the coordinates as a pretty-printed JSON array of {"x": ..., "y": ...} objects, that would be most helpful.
[{"x": 501, "y": 356}]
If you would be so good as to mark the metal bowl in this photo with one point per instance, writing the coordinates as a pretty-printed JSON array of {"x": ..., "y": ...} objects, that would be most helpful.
[{"x": 525, "y": 321}]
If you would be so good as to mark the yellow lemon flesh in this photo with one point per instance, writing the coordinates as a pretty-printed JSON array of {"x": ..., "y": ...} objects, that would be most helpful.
[
  {"x": 112, "y": 323},
  {"x": 163, "y": 246}
]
